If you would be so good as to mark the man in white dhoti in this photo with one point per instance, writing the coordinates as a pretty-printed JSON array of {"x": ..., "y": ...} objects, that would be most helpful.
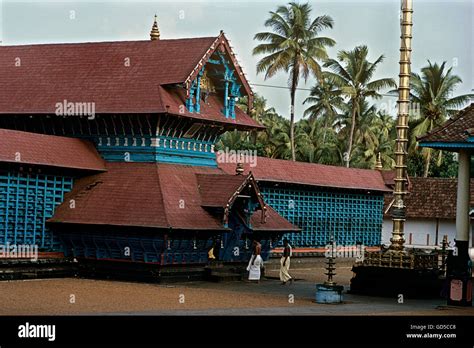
[
  {"x": 285, "y": 263},
  {"x": 256, "y": 262}
]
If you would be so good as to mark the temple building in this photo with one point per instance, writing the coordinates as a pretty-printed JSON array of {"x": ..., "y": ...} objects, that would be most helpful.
[
  {"x": 457, "y": 135},
  {"x": 107, "y": 154},
  {"x": 341, "y": 204},
  {"x": 430, "y": 212}
]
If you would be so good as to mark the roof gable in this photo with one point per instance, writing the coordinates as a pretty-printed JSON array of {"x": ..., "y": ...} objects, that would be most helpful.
[
  {"x": 118, "y": 77},
  {"x": 152, "y": 195},
  {"x": 222, "y": 45},
  {"x": 221, "y": 191}
]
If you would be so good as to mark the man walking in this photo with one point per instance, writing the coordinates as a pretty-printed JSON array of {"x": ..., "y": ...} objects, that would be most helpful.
[
  {"x": 256, "y": 262},
  {"x": 285, "y": 263}
]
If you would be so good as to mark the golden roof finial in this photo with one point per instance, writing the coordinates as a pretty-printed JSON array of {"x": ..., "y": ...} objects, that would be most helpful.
[
  {"x": 155, "y": 32},
  {"x": 240, "y": 168},
  {"x": 378, "y": 163}
]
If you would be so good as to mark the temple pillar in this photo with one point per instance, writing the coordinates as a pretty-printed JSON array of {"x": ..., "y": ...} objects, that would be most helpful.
[
  {"x": 463, "y": 204},
  {"x": 459, "y": 272}
]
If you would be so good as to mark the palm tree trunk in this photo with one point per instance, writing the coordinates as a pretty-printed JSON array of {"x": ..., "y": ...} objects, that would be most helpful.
[
  {"x": 351, "y": 135},
  {"x": 294, "y": 85},
  {"x": 325, "y": 130},
  {"x": 331, "y": 116},
  {"x": 253, "y": 137},
  {"x": 427, "y": 164},
  {"x": 292, "y": 123}
]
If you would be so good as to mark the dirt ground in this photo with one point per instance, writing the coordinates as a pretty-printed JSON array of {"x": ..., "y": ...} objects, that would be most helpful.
[
  {"x": 74, "y": 296},
  {"x": 84, "y": 296}
]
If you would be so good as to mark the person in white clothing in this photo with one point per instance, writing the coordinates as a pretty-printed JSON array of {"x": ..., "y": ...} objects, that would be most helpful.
[
  {"x": 285, "y": 263},
  {"x": 256, "y": 262}
]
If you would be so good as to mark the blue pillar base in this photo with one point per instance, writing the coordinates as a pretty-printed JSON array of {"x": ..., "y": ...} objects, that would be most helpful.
[{"x": 329, "y": 293}]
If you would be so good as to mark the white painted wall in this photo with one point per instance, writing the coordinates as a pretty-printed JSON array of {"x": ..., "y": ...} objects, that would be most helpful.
[{"x": 420, "y": 228}]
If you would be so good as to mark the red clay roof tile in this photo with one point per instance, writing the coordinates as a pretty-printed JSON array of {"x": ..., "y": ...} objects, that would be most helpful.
[
  {"x": 276, "y": 170},
  {"x": 48, "y": 150},
  {"x": 431, "y": 198},
  {"x": 217, "y": 189},
  {"x": 118, "y": 77},
  {"x": 149, "y": 195},
  {"x": 454, "y": 130}
]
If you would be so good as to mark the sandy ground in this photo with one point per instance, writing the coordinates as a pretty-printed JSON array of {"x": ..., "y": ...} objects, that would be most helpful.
[
  {"x": 53, "y": 296},
  {"x": 72, "y": 296}
]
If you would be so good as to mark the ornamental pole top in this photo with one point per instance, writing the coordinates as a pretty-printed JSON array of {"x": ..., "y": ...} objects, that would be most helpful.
[{"x": 155, "y": 32}]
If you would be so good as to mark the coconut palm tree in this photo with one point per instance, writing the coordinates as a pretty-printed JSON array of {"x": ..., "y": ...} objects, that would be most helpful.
[
  {"x": 274, "y": 124},
  {"x": 280, "y": 141},
  {"x": 353, "y": 74},
  {"x": 260, "y": 113},
  {"x": 315, "y": 143},
  {"x": 293, "y": 46},
  {"x": 374, "y": 135},
  {"x": 233, "y": 140},
  {"x": 327, "y": 101},
  {"x": 432, "y": 92}
]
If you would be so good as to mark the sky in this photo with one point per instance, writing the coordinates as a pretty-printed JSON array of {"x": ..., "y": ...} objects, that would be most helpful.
[{"x": 443, "y": 31}]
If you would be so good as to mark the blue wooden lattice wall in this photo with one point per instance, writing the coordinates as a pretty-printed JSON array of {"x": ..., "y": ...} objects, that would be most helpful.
[
  {"x": 351, "y": 217},
  {"x": 27, "y": 200}
]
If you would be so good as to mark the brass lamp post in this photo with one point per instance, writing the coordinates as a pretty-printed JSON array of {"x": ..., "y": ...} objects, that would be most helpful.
[{"x": 398, "y": 208}]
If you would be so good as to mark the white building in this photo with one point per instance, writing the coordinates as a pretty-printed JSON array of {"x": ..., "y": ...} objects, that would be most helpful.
[{"x": 431, "y": 212}]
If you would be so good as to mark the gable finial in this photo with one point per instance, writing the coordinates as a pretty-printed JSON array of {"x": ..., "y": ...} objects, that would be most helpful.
[
  {"x": 378, "y": 162},
  {"x": 155, "y": 32},
  {"x": 239, "y": 170}
]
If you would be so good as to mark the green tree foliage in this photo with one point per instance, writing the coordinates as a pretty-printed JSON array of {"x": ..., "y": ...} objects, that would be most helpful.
[
  {"x": 353, "y": 73},
  {"x": 340, "y": 125},
  {"x": 431, "y": 94},
  {"x": 293, "y": 46}
]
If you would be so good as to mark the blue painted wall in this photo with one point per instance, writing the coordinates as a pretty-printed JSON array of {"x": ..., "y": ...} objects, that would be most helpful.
[
  {"x": 26, "y": 201},
  {"x": 350, "y": 217},
  {"x": 156, "y": 149}
]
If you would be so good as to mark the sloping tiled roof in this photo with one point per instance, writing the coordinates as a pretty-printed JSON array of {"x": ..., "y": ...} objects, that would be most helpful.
[
  {"x": 147, "y": 195},
  {"x": 276, "y": 170},
  {"x": 389, "y": 178},
  {"x": 48, "y": 150},
  {"x": 174, "y": 99},
  {"x": 181, "y": 197},
  {"x": 273, "y": 222},
  {"x": 216, "y": 189},
  {"x": 453, "y": 130},
  {"x": 119, "y": 77},
  {"x": 431, "y": 198},
  {"x": 95, "y": 72}
]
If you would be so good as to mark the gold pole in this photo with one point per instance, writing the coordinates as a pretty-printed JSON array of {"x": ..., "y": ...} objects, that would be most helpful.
[{"x": 398, "y": 208}]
